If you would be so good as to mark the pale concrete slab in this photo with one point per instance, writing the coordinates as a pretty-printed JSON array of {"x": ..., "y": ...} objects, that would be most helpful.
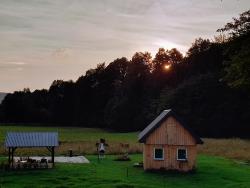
[{"x": 61, "y": 159}]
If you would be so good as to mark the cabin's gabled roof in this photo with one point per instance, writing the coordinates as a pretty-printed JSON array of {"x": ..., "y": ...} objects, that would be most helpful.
[
  {"x": 31, "y": 139},
  {"x": 157, "y": 122}
]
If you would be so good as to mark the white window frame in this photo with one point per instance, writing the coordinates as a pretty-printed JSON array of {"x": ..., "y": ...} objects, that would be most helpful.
[
  {"x": 178, "y": 156},
  {"x": 159, "y": 159}
]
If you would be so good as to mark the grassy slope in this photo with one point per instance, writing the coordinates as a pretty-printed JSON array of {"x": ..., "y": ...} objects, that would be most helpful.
[
  {"x": 82, "y": 141},
  {"x": 233, "y": 148},
  {"x": 211, "y": 172},
  {"x": 74, "y": 134}
]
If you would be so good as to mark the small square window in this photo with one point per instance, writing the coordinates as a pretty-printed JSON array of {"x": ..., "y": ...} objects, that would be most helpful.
[
  {"x": 158, "y": 154},
  {"x": 182, "y": 154}
]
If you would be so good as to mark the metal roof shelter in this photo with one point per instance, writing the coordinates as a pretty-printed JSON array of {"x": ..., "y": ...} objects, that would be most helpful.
[{"x": 16, "y": 140}]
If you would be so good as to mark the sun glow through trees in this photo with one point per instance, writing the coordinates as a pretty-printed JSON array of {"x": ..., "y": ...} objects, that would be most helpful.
[{"x": 167, "y": 67}]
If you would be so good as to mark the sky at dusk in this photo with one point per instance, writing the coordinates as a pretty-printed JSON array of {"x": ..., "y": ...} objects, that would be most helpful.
[{"x": 60, "y": 39}]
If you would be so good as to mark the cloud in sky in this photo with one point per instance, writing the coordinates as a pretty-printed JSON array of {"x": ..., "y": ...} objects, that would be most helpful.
[{"x": 61, "y": 39}]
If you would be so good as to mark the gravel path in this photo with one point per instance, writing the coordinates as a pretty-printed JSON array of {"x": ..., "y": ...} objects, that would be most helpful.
[{"x": 62, "y": 159}]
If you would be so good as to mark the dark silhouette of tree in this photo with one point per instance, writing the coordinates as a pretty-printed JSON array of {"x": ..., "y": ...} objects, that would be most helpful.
[
  {"x": 237, "y": 53},
  {"x": 200, "y": 45},
  {"x": 175, "y": 56},
  {"x": 161, "y": 58},
  {"x": 239, "y": 27}
]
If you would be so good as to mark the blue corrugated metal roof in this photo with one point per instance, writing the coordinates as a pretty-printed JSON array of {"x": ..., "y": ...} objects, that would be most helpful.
[{"x": 31, "y": 139}]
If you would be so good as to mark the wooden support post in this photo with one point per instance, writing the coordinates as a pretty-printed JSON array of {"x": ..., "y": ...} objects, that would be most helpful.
[
  {"x": 12, "y": 157},
  {"x": 9, "y": 156},
  {"x": 53, "y": 155}
]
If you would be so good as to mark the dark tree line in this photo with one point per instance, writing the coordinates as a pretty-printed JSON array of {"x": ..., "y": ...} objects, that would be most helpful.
[{"x": 209, "y": 88}]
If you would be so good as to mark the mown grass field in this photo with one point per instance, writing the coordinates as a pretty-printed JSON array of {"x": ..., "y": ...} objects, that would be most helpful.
[{"x": 211, "y": 172}]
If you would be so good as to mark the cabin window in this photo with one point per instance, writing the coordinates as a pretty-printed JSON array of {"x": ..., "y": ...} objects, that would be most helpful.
[
  {"x": 158, "y": 154},
  {"x": 182, "y": 154}
]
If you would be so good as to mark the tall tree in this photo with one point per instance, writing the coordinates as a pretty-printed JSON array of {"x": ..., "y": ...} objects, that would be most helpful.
[
  {"x": 237, "y": 53},
  {"x": 239, "y": 26}
]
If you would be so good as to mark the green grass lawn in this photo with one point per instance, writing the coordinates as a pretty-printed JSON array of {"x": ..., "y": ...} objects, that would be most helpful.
[{"x": 211, "y": 172}]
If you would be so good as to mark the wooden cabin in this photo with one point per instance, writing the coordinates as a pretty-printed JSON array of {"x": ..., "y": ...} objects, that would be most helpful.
[{"x": 169, "y": 144}]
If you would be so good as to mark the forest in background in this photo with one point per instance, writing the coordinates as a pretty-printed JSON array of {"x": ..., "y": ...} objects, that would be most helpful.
[{"x": 209, "y": 88}]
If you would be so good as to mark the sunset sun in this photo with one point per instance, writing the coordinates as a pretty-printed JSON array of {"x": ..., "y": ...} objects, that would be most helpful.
[{"x": 167, "y": 67}]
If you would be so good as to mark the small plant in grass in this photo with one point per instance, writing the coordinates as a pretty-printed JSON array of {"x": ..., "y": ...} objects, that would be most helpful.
[
  {"x": 124, "y": 157},
  {"x": 124, "y": 153},
  {"x": 138, "y": 165}
]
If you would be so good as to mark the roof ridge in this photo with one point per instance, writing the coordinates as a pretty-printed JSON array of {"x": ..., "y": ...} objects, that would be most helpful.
[{"x": 157, "y": 121}]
